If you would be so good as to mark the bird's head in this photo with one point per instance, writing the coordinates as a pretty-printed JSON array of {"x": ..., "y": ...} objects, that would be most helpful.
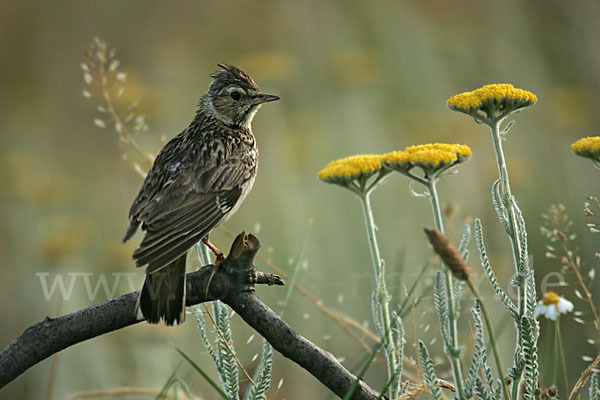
[{"x": 233, "y": 97}]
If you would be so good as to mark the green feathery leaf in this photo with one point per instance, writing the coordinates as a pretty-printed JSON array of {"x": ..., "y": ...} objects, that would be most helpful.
[
  {"x": 262, "y": 375},
  {"x": 457, "y": 293},
  {"x": 440, "y": 303},
  {"x": 529, "y": 332},
  {"x": 507, "y": 127},
  {"x": 499, "y": 207},
  {"x": 400, "y": 340},
  {"x": 463, "y": 247},
  {"x": 225, "y": 351},
  {"x": 475, "y": 365},
  {"x": 523, "y": 266},
  {"x": 204, "y": 336},
  {"x": 202, "y": 253},
  {"x": 594, "y": 390},
  {"x": 485, "y": 263},
  {"x": 493, "y": 386},
  {"x": 377, "y": 315},
  {"x": 430, "y": 377},
  {"x": 394, "y": 382},
  {"x": 482, "y": 393}
]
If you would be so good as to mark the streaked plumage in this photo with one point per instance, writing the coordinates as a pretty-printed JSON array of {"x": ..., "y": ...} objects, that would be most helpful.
[{"x": 198, "y": 179}]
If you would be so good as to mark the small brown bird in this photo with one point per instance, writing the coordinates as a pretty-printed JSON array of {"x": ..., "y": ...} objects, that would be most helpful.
[{"x": 199, "y": 179}]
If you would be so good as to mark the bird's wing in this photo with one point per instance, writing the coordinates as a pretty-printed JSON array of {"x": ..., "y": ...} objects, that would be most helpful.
[{"x": 187, "y": 206}]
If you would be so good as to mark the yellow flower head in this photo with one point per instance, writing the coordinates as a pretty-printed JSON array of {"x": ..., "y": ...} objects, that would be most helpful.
[
  {"x": 427, "y": 156},
  {"x": 460, "y": 150},
  {"x": 347, "y": 169},
  {"x": 588, "y": 147},
  {"x": 552, "y": 305},
  {"x": 431, "y": 158},
  {"x": 497, "y": 99},
  {"x": 550, "y": 298}
]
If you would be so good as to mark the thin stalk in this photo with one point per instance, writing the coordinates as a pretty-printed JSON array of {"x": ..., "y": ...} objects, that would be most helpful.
[
  {"x": 492, "y": 335},
  {"x": 562, "y": 355},
  {"x": 573, "y": 264},
  {"x": 383, "y": 297},
  {"x": 583, "y": 378},
  {"x": 124, "y": 132},
  {"x": 507, "y": 193},
  {"x": 449, "y": 282},
  {"x": 514, "y": 237},
  {"x": 555, "y": 358},
  {"x": 435, "y": 204},
  {"x": 370, "y": 225}
]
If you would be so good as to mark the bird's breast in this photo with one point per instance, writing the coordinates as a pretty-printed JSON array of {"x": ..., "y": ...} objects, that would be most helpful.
[
  {"x": 245, "y": 190},
  {"x": 247, "y": 186}
]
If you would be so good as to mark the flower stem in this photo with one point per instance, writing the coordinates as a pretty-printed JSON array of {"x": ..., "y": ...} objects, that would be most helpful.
[
  {"x": 562, "y": 355},
  {"x": 449, "y": 283},
  {"x": 382, "y": 294},
  {"x": 507, "y": 204},
  {"x": 435, "y": 205},
  {"x": 555, "y": 358},
  {"x": 371, "y": 235}
]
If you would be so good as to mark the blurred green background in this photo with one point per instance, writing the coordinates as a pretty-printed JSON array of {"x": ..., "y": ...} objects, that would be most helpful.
[{"x": 354, "y": 77}]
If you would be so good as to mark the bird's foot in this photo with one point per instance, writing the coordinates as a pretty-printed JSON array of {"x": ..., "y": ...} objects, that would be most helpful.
[{"x": 220, "y": 257}]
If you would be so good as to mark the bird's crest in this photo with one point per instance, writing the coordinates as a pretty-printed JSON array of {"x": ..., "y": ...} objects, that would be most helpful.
[{"x": 231, "y": 74}]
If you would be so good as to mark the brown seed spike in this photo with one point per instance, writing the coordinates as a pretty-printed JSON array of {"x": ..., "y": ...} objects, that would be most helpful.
[{"x": 448, "y": 253}]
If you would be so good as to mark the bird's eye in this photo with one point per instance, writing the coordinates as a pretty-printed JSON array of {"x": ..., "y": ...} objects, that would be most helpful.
[{"x": 236, "y": 96}]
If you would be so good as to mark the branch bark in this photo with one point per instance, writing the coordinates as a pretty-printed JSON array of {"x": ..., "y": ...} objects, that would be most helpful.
[{"x": 233, "y": 283}]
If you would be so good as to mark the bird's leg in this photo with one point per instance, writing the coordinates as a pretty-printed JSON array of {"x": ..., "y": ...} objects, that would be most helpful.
[
  {"x": 220, "y": 260},
  {"x": 218, "y": 253}
]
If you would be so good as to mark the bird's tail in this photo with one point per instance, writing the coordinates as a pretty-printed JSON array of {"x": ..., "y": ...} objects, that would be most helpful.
[{"x": 163, "y": 294}]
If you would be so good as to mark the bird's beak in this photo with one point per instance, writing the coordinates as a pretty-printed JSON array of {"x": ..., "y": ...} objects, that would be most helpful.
[{"x": 264, "y": 98}]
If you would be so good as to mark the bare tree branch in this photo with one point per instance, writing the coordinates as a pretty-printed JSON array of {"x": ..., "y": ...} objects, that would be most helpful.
[{"x": 233, "y": 283}]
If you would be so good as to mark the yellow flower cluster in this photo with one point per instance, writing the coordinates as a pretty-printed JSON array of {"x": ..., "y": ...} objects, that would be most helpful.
[
  {"x": 432, "y": 153},
  {"x": 588, "y": 147},
  {"x": 586, "y": 144},
  {"x": 475, "y": 99},
  {"x": 432, "y": 158},
  {"x": 351, "y": 167},
  {"x": 460, "y": 150}
]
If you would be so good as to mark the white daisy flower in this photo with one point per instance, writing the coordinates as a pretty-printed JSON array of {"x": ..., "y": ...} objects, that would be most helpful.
[{"x": 552, "y": 305}]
